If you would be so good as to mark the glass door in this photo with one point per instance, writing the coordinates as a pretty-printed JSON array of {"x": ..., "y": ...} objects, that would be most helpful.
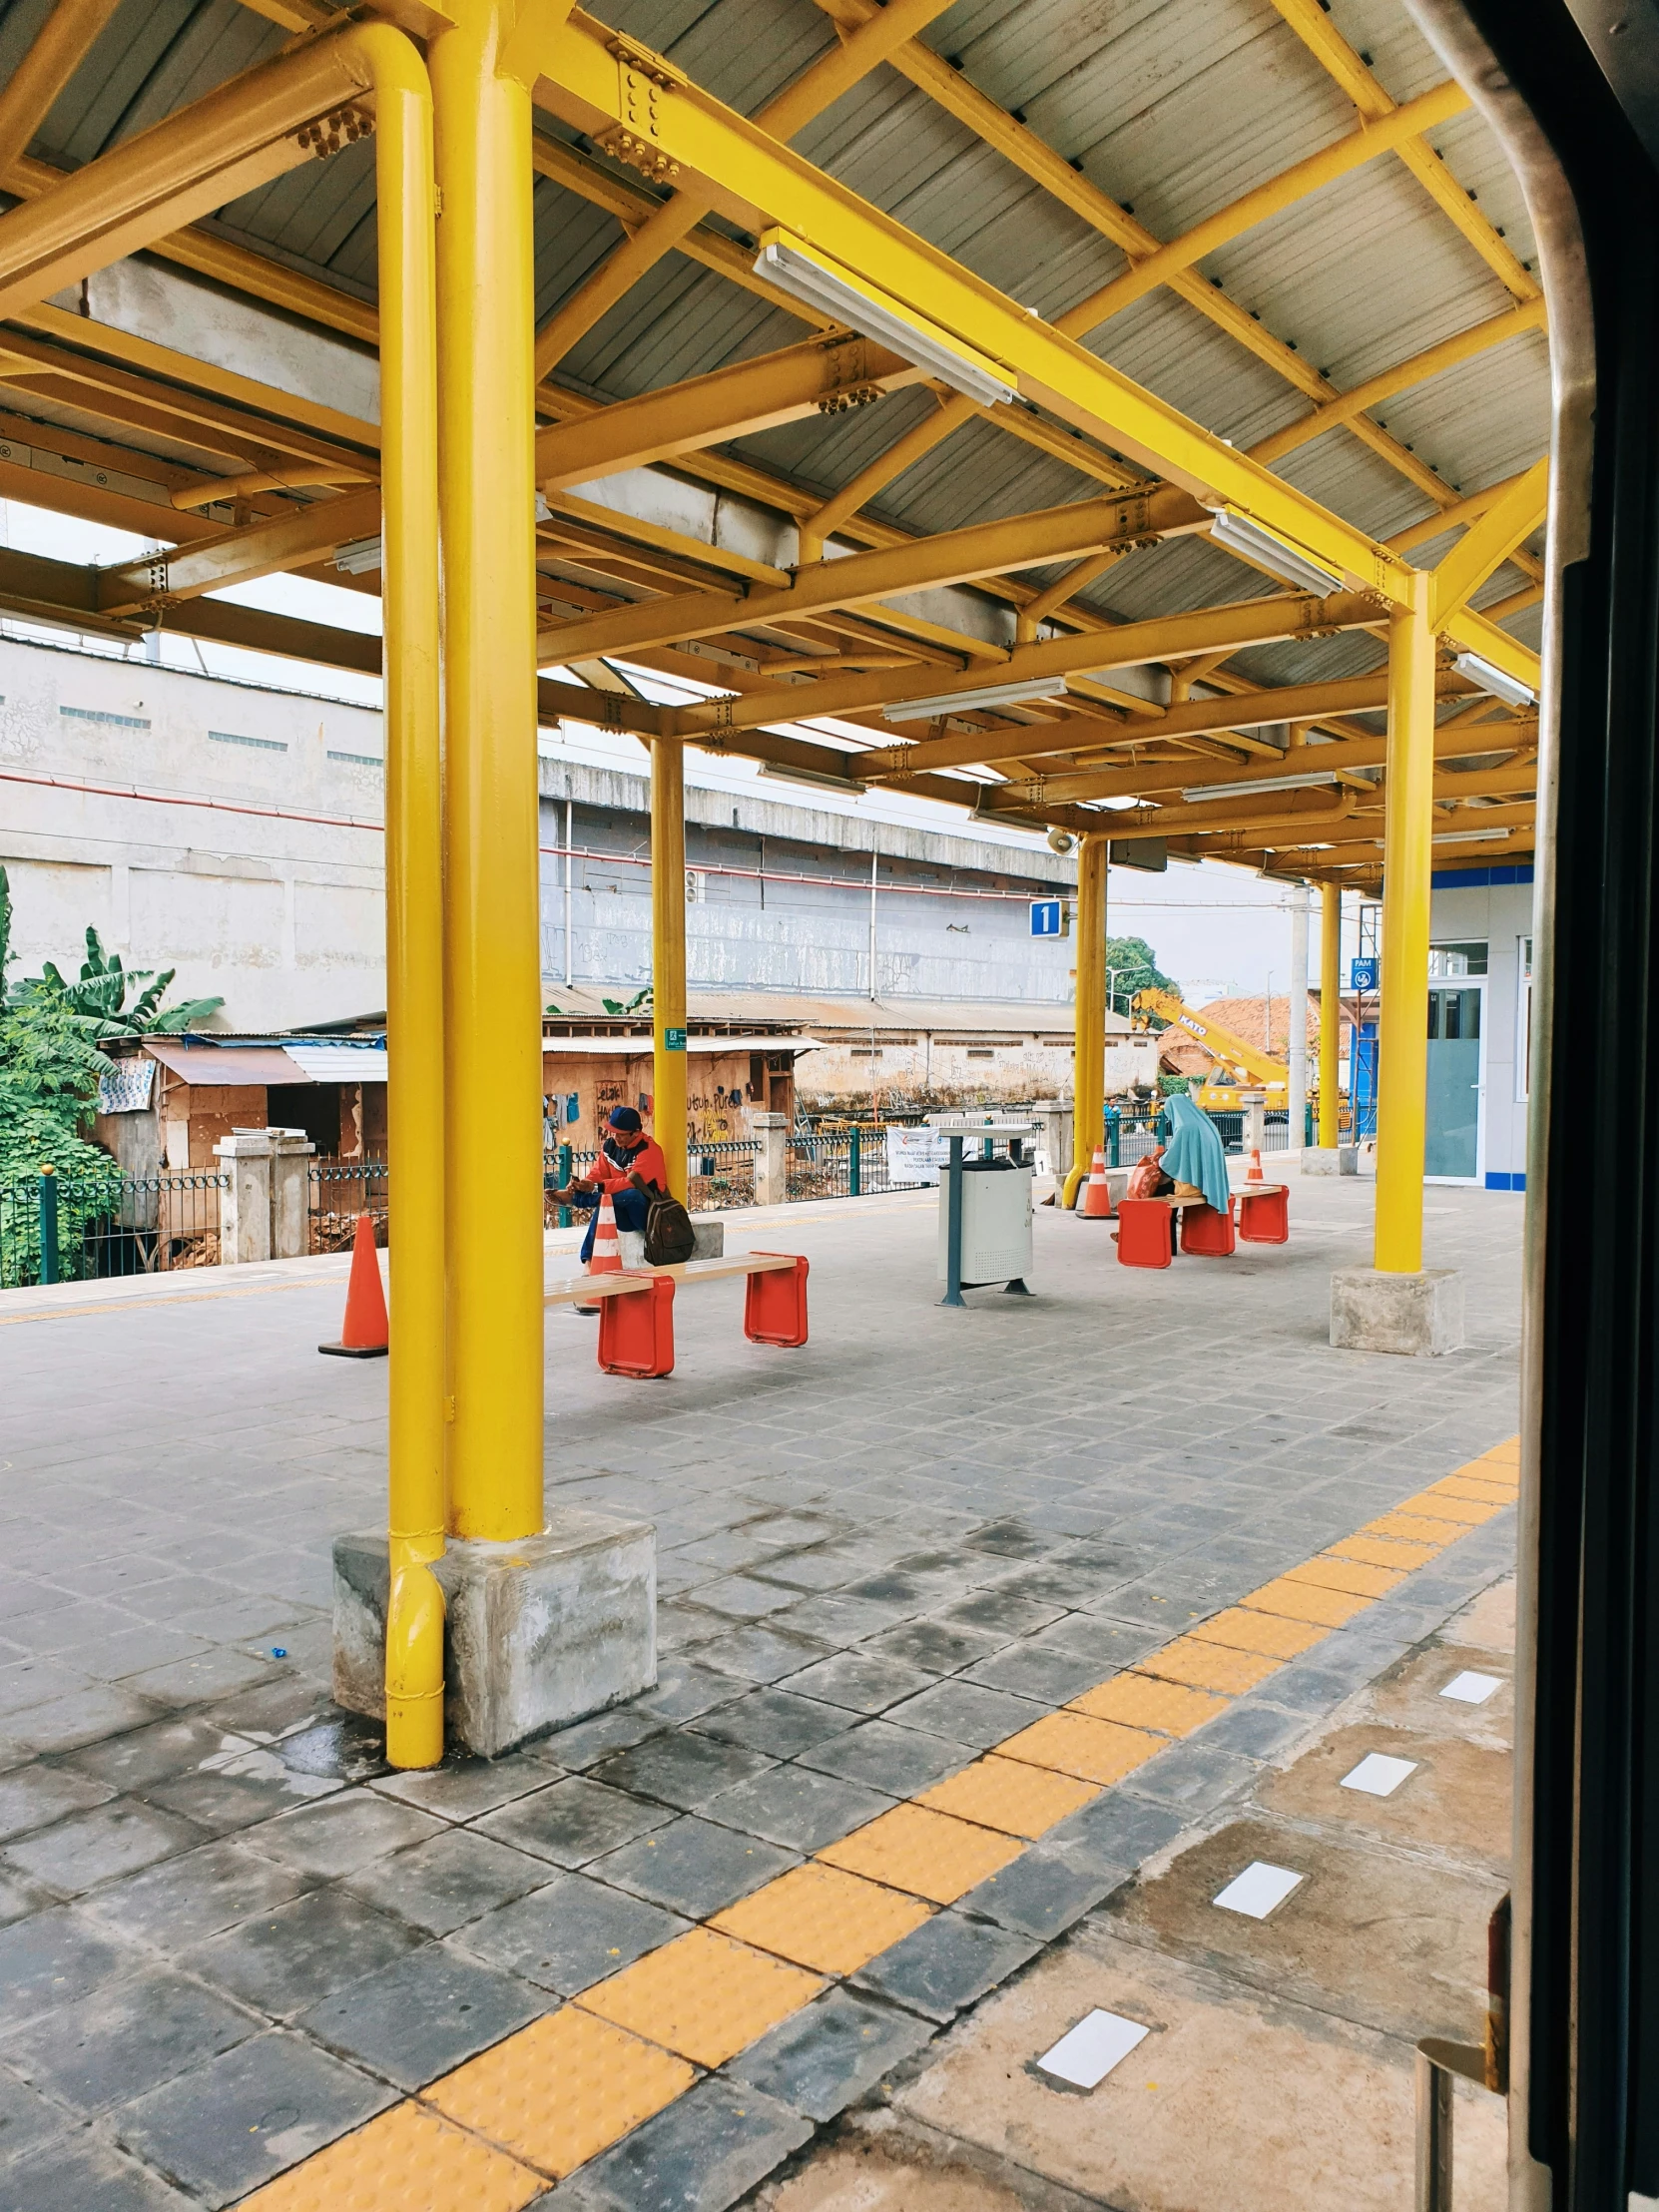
[{"x": 1457, "y": 1092}]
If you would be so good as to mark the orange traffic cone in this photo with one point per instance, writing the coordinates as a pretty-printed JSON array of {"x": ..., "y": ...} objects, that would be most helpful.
[
  {"x": 364, "y": 1335},
  {"x": 1097, "y": 1197},
  {"x": 607, "y": 1252},
  {"x": 1252, "y": 1173}
]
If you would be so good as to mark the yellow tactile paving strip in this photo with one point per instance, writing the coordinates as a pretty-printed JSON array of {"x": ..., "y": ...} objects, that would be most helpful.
[
  {"x": 561, "y": 2089},
  {"x": 1009, "y": 1796},
  {"x": 818, "y": 1916},
  {"x": 703, "y": 1994},
  {"x": 931, "y": 1854},
  {"x": 546, "y": 2099}
]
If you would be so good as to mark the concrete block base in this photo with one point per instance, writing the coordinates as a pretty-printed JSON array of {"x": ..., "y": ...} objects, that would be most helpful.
[
  {"x": 538, "y": 1635},
  {"x": 1330, "y": 1159},
  {"x": 1418, "y": 1314}
]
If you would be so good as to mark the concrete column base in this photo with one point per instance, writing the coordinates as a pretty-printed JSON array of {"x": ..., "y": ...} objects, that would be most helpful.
[
  {"x": 538, "y": 1635},
  {"x": 1330, "y": 1159},
  {"x": 1419, "y": 1315}
]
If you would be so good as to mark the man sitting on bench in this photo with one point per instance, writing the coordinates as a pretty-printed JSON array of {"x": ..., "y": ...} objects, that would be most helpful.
[{"x": 631, "y": 1167}]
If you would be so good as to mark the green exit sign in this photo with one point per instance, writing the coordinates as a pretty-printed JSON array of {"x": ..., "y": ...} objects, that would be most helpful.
[{"x": 674, "y": 1040}]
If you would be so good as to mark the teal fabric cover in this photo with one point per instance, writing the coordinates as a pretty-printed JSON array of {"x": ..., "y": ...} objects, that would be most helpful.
[{"x": 1195, "y": 1153}]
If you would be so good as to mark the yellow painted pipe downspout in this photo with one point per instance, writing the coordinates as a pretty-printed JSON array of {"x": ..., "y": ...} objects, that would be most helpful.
[
  {"x": 1088, "y": 1068},
  {"x": 414, "y": 887},
  {"x": 1331, "y": 1008},
  {"x": 668, "y": 956},
  {"x": 1402, "y": 1057}
]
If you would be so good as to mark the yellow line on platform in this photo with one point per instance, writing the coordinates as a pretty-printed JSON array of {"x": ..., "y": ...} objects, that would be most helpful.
[{"x": 495, "y": 2132}]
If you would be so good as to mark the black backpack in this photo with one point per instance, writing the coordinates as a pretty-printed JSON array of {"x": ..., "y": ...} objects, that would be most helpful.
[{"x": 669, "y": 1235}]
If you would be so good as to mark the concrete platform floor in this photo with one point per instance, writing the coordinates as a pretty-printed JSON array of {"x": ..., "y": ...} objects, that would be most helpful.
[{"x": 233, "y": 1936}]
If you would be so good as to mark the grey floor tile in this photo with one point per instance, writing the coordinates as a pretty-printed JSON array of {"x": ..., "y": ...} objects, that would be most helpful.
[
  {"x": 339, "y": 1834},
  {"x": 249, "y": 2115},
  {"x": 1118, "y": 1830},
  {"x": 423, "y": 2015},
  {"x": 220, "y": 1801},
  {"x": 444, "y": 1882},
  {"x": 89, "y": 1848},
  {"x": 841, "y": 1621},
  {"x": 1254, "y": 1731},
  {"x": 572, "y": 1821},
  {"x": 126, "y": 2037},
  {"x": 680, "y": 1769},
  {"x": 833, "y": 2054},
  {"x": 763, "y": 1654},
  {"x": 896, "y": 1761},
  {"x": 685, "y": 1690},
  {"x": 82, "y": 2174},
  {"x": 967, "y": 1713},
  {"x": 775, "y": 1722},
  {"x": 700, "y": 2155},
  {"x": 936, "y": 1647},
  {"x": 464, "y": 1788},
  {"x": 859, "y": 1683},
  {"x": 1051, "y": 1677},
  {"x": 35, "y": 1796},
  {"x": 1003, "y": 1615},
  {"x": 79, "y": 1717},
  {"x": 743, "y": 1598},
  {"x": 196, "y": 1894},
  {"x": 570, "y": 1934},
  {"x": 26, "y": 2120},
  {"x": 947, "y": 1964},
  {"x": 694, "y": 1867},
  {"x": 796, "y": 1807},
  {"x": 576, "y": 1749},
  {"x": 52, "y": 1958},
  {"x": 1043, "y": 1891},
  {"x": 284, "y": 1961}
]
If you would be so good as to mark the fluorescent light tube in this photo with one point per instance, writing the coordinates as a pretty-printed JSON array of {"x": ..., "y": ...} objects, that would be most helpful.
[
  {"x": 360, "y": 556},
  {"x": 1484, "y": 676},
  {"x": 962, "y": 702},
  {"x": 1267, "y": 549},
  {"x": 1201, "y": 791},
  {"x": 800, "y": 270},
  {"x": 822, "y": 778},
  {"x": 1470, "y": 836}
]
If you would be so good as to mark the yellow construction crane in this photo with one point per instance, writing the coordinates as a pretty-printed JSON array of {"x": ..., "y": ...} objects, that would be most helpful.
[{"x": 1238, "y": 1065}]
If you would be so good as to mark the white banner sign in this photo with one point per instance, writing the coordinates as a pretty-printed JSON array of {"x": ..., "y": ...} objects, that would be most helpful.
[{"x": 915, "y": 1155}]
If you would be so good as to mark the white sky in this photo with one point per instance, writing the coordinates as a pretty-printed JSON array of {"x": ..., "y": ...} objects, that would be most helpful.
[{"x": 1220, "y": 931}]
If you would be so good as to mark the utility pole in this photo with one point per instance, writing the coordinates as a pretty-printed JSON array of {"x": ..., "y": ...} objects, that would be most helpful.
[{"x": 1296, "y": 1135}]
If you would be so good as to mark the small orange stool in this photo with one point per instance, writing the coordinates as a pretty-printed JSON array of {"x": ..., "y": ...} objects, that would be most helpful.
[
  {"x": 636, "y": 1330},
  {"x": 1207, "y": 1230},
  {"x": 1146, "y": 1233},
  {"x": 1264, "y": 1214}
]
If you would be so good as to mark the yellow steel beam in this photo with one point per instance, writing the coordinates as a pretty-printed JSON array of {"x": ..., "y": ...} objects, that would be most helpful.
[
  {"x": 904, "y": 454},
  {"x": 243, "y": 134},
  {"x": 1132, "y": 645},
  {"x": 1434, "y": 362},
  {"x": 59, "y": 46},
  {"x": 1318, "y": 32},
  {"x": 265, "y": 549},
  {"x": 1028, "y": 153},
  {"x": 727, "y": 403},
  {"x": 668, "y": 225},
  {"x": 1274, "y": 197},
  {"x": 1484, "y": 548},
  {"x": 953, "y": 557},
  {"x": 759, "y": 181}
]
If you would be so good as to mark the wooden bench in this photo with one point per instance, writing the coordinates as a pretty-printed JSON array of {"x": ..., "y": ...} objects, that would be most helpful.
[{"x": 636, "y": 1318}]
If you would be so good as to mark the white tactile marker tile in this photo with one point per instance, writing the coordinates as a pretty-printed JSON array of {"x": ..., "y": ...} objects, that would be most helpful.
[
  {"x": 1258, "y": 1889},
  {"x": 1471, "y": 1689},
  {"x": 1378, "y": 1775},
  {"x": 1086, "y": 2054}
]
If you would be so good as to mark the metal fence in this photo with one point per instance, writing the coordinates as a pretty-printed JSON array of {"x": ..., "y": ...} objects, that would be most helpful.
[
  {"x": 79, "y": 1229},
  {"x": 1134, "y": 1133},
  {"x": 718, "y": 1175},
  {"x": 842, "y": 1163},
  {"x": 337, "y": 1191}
]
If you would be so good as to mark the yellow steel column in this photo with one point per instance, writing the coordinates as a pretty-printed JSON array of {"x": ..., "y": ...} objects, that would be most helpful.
[
  {"x": 1088, "y": 1072},
  {"x": 492, "y": 1058},
  {"x": 668, "y": 956},
  {"x": 1331, "y": 1008},
  {"x": 415, "y": 883},
  {"x": 1402, "y": 1061}
]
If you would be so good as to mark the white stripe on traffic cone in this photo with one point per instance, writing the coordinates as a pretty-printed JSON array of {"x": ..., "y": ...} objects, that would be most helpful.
[{"x": 607, "y": 1252}]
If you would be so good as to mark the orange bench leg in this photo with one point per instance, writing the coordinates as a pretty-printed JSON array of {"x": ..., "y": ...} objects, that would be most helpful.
[
  {"x": 1264, "y": 1217},
  {"x": 1145, "y": 1233},
  {"x": 636, "y": 1331},
  {"x": 774, "y": 1305},
  {"x": 1207, "y": 1230}
]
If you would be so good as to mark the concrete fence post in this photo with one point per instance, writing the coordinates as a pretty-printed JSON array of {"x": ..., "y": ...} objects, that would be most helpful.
[
  {"x": 291, "y": 1152},
  {"x": 1255, "y": 1120},
  {"x": 1054, "y": 1141},
  {"x": 244, "y": 1202},
  {"x": 771, "y": 1158}
]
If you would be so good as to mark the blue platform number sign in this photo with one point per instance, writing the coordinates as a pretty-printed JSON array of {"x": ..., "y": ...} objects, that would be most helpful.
[
  {"x": 674, "y": 1040},
  {"x": 1048, "y": 917},
  {"x": 1363, "y": 975}
]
